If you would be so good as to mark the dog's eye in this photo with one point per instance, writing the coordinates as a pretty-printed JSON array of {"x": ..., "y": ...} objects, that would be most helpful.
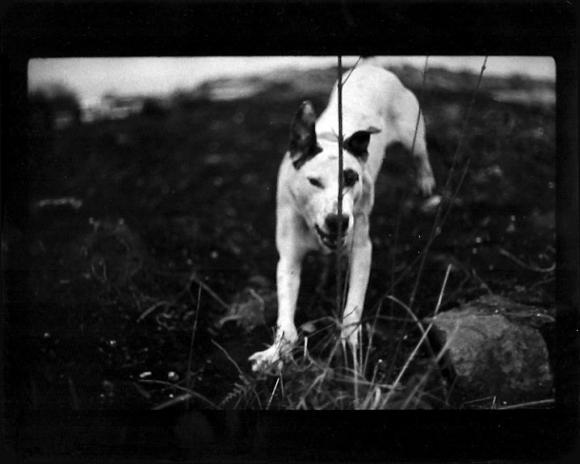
[
  {"x": 316, "y": 182},
  {"x": 350, "y": 177}
]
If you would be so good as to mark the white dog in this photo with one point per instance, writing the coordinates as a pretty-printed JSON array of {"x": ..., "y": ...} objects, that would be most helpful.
[{"x": 377, "y": 111}]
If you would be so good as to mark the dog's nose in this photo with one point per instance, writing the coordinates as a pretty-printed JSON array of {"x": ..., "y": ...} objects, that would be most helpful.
[{"x": 333, "y": 221}]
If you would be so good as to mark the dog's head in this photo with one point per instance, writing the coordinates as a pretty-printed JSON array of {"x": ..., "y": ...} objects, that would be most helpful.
[{"x": 315, "y": 183}]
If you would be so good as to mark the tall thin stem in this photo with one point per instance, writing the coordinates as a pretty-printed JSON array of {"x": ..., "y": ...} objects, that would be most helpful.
[{"x": 340, "y": 182}]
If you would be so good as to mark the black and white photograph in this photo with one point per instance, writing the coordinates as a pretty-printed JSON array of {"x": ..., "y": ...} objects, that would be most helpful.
[
  {"x": 188, "y": 245},
  {"x": 281, "y": 232}
]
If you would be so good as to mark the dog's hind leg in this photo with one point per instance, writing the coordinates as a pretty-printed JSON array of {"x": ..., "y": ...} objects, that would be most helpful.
[{"x": 410, "y": 131}]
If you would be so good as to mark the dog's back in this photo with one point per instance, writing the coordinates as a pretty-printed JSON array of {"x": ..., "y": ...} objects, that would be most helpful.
[
  {"x": 367, "y": 96},
  {"x": 372, "y": 99}
]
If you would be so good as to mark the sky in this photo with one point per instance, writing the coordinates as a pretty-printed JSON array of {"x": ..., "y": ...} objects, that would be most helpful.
[{"x": 91, "y": 78}]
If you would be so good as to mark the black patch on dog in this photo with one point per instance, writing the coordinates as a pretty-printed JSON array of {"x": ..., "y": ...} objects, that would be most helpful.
[
  {"x": 350, "y": 177},
  {"x": 303, "y": 145},
  {"x": 357, "y": 144}
]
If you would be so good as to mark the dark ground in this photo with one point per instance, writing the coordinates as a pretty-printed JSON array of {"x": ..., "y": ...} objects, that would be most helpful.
[{"x": 177, "y": 222}]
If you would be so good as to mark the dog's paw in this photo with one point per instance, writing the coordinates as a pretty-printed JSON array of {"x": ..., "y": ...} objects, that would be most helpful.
[
  {"x": 350, "y": 336},
  {"x": 350, "y": 340},
  {"x": 271, "y": 359},
  {"x": 426, "y": 184}
]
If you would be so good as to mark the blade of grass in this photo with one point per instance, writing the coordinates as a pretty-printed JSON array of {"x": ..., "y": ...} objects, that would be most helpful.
[
  {"x": 192, "y": 339},
  {"x": 371, "y": 336},
  {"x": 447, "y": 271},
  {"x": 178, "y": 399},
  {"x": 209, "y": 291},
  {"x": 152, "y": 308},
  {"x": 272, "y": 395},
  {"x": 545, "y": 402},
  {"x": 351, "y": 70},
  {"x": 240, "y": 372},
  {"x": 423, "y": 331},
  {"x": 193, "y": 278},
  {"x": 408, "y": 362},
  {"x": 227, "y": 355},
  {"x": 184, "y": 389}
]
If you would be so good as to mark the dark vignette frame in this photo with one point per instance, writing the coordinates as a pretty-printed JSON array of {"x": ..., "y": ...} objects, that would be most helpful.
[{"x": 42, "y": 29}]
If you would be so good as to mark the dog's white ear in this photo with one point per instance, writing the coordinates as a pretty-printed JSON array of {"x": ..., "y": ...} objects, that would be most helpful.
[
  {"x": 358, "y": 143},
  {"x": 303, "y": 145}
]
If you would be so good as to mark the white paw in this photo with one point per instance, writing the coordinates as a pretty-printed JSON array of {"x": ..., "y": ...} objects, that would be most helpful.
[
  {"x": 426, "y": 183},
  {"x": 350, "y": 334},
  {"x": 269, "y": 359},
  {"x": 430, "y": 204},
  {"x": 273, "y": 357},
  {"x": 350, "y": 338}
]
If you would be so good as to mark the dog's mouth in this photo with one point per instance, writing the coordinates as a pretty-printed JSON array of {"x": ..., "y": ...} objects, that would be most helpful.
[{"x": 332, "y": 241}]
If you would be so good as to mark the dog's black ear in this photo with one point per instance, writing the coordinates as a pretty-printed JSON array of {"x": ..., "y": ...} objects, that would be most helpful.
[
  {"x": 303, "y": 145},
  {"x": 358, "y": 143}
]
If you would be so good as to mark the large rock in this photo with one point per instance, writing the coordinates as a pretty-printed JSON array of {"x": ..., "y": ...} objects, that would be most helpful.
[{"x": 495, "y": 351}]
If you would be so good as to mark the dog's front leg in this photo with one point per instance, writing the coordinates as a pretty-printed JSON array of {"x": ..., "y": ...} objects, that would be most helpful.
[
  {"x": 291, "y": 248},
  {"x": 288, "y": 283},
  {"x": 360, "y": 265},
  {"x": 288, "y": 278}
]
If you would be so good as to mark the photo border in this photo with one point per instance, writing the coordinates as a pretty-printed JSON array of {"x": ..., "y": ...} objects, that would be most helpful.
[{"x": 547, "y": 28}]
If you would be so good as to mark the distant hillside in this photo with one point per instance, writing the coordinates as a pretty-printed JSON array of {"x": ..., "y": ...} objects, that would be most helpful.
[{"x": 288, "y": 83}]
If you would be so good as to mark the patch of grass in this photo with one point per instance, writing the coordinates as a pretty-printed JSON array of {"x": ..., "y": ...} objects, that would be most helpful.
[{"x": 323, "y": 374}]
